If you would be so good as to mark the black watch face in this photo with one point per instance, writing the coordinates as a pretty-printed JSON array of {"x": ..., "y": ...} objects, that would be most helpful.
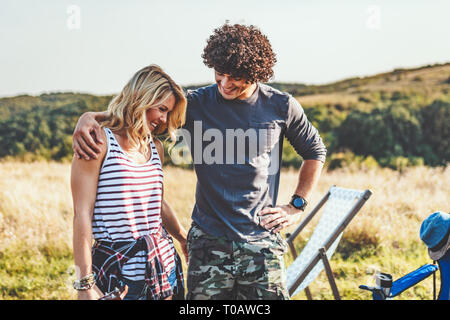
[{"x": 298, "y": 202}]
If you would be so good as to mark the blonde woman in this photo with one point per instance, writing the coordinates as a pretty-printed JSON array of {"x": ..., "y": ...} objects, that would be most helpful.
[{"x": 118, "y": 197}]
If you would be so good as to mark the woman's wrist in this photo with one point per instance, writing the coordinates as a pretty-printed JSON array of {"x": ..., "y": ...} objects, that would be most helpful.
[{"x": 85, "y": 283}]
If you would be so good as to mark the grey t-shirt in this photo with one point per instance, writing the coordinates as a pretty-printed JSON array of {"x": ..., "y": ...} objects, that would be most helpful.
[{"x": 236, "y": 146}]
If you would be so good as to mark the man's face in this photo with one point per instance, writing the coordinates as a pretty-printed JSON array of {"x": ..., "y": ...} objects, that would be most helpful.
[{"x": 233, "y": 88}]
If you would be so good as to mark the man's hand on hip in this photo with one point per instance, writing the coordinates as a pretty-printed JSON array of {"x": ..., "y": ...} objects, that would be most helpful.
[{"x": 277, "y": 218}]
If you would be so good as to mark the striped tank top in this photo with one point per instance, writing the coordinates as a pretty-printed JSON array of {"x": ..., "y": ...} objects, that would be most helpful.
[{"x": 128, "y": 205}]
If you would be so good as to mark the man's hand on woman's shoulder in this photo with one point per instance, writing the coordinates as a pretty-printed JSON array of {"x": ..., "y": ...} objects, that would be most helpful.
[{"x": 87, "y": 136}]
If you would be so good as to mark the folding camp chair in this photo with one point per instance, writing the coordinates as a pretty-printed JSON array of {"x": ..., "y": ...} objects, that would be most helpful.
[
  {"x": 444, "y": 267},
  {"x": 341, "y": 205},
  {"x": 388, "y": 289}
]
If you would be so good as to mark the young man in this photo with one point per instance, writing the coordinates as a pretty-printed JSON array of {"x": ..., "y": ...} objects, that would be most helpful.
[{"x": 235, "y": 249}]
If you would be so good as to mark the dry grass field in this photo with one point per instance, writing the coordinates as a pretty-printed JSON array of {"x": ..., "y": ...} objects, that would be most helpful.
[{"x": 36, "y": 226}]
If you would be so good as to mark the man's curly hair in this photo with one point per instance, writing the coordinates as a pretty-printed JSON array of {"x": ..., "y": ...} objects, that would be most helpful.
[{"x": 240, "y": 51}]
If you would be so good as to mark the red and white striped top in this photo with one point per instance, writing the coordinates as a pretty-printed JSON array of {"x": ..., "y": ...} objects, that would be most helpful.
[{"x": 128, "y": 204}]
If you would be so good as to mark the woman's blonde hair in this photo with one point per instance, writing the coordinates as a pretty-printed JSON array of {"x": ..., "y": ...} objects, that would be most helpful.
[{"x": 148, "y": 88}]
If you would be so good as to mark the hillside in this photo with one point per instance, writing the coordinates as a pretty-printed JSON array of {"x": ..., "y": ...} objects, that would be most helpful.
[
  {"x": 395, "y": 119},
  {"x": 429, "y": 82}
]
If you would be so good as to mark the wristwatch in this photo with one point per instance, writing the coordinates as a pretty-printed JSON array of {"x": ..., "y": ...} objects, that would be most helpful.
[{"x": 298, "y": 202}]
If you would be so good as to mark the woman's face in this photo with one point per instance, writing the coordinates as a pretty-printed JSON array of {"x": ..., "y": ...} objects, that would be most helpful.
[{"x": 158, "y": 114}]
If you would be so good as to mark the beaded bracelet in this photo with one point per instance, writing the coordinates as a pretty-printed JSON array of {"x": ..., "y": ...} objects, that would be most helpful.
[{"x": 84, "y": 283}]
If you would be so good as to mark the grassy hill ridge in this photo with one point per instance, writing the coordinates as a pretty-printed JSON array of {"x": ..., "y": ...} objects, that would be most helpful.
[
  {"x": 435, "y": 76},
  {"x": 393, "y": 117}
]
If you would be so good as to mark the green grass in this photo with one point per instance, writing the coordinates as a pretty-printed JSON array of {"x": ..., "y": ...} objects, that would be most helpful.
[
  {"x": 352, "y": 268},
  {"x": 47, "y": 273},
  {"x": 37, "y": 273},
  {"x": 36, "y": 259}
]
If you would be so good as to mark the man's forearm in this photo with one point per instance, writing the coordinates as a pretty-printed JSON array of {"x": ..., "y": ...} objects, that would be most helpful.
[
  {"x": 99, "y": 116},
  {"x": 308, "y": 177}
]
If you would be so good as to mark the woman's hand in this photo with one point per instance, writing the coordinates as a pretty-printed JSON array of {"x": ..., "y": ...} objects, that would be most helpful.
[
  {"x": 92, "y": 294},
  {"x": 277, "y": 218},
  {"x": 87, "y": 136}
]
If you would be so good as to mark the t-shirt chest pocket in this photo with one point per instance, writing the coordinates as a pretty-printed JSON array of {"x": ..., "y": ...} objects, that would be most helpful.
[{"x": 267, "y": 133}]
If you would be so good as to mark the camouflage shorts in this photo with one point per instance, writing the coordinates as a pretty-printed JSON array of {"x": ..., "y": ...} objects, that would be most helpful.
[{"x": 222, "y": 269}]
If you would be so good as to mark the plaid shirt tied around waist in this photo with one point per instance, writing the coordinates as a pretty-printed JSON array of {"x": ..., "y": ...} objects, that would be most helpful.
[{"x": 108, "y": 258}]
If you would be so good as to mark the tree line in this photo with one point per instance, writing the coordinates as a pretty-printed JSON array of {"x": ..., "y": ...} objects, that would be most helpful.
[{"x": 388, "y": 130}]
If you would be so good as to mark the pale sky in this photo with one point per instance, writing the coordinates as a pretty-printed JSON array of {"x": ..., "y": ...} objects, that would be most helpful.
[{"x": 96, "y": 46}]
